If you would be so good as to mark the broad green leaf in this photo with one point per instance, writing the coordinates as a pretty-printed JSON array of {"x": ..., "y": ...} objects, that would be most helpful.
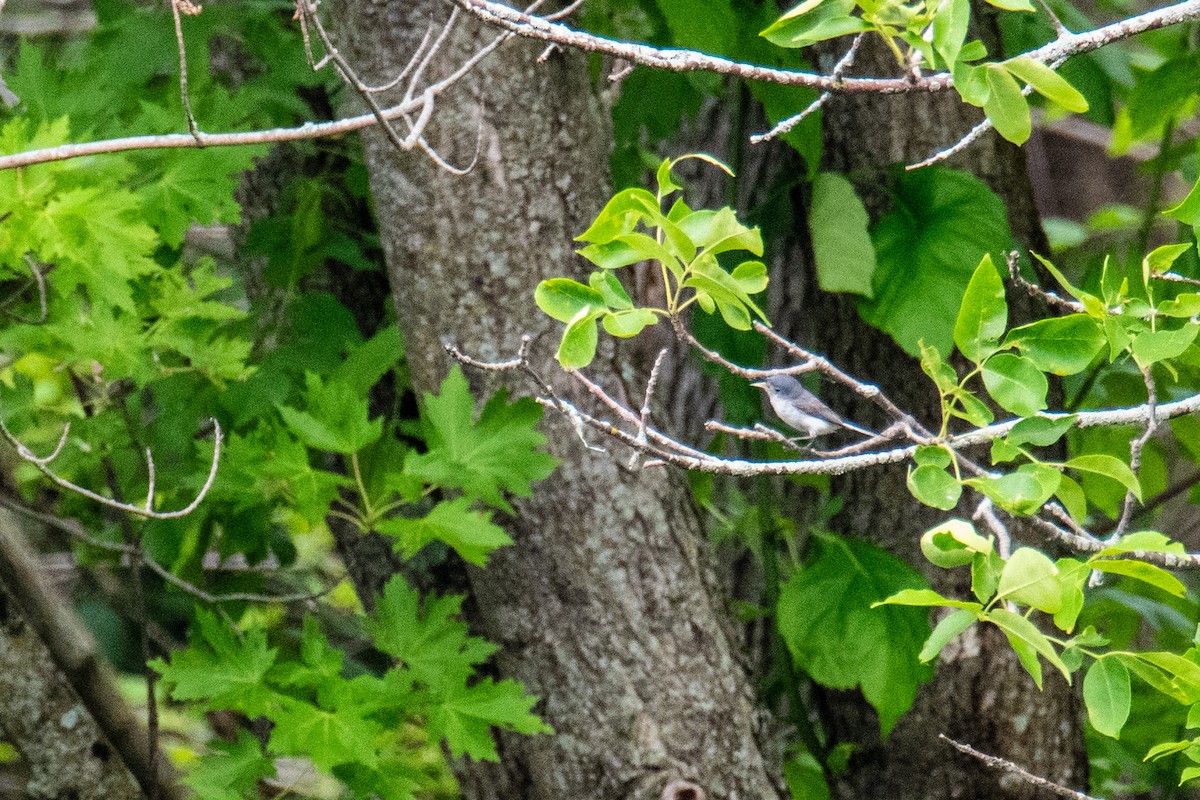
[
  {"x": 1150, "y": 347},
  {"x": 1187, "y": 210},
  {"x": 944, "y": 632},
  {"x": 1012, "y": 5},
  {"x": 1093, "y": 305},
  {"x": 219, "y": 670},
  {"x": 485, "y": 459},
  {"x": 335, "y": 418},
  {"x": 983, "y": 315},
  {"x": 426, "y": 635},
  {"x": 1159, "y": 95},
  {"x": 833, "y": 633},
  {"x": 925, "y": 597},
  {"x": 1015, "y": 383},
  {"x": 814, "y": 21},
  {"x": 842, "y": 248},
  {"x": 1072, "y": 575},
  {"x": 327, "y": 738},
  {"x": 472, "y": 534},
  {"x": 950, "y": 23},
  {"x": 620, "y": 215},
  {"x": 1160, "y": 259},
  {"x": 941, "y": 373},
  {"x": 1059, "y": 345},
  {"x": 464, "y": 718},
  {"x": 1047, "y": 83},
  {"x": 1031, "y": 579},
  {"x": 931, "y": 455},
  {"x": 1016, "y": 626},
  {"x": 1184, "y": 671},
  {"x": 629, "y": 322},
  {"x": 579, "y": 340},
  {"x": 1183, "y": 305},
  {"x": 626, "y": 249},
  {"x": 563, "y": 299},
  {"x": 940, "y": 224},
  {"x": 1040, "y": 431},
  {"x": 1156, "y": 677},
  {"x": 720, "y": 231},
  {"x": 611, "y": 289},
  {"x": 1072, "y": 496},
  {"x": 1107, "y": 695},
  {"x": 985, "y": 575},
  {"x": 1110, "y": 467},
  {"x": 971, "y": 408},
  {"x": 953, "y": 543},
  {"x": 1140, "y": 570},
  {"x": 1006, "y": 107},
  {"x": 751, "y": 276},
  {"x": 1168, "y": 749},
  {"x": 229, "y": 770},
  {"x": 1022, "y": 492},
  {"x": 934, "y": 487}
]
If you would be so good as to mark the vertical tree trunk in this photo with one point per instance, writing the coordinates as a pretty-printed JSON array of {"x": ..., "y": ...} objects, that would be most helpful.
[{"x": 606, "y": 606}]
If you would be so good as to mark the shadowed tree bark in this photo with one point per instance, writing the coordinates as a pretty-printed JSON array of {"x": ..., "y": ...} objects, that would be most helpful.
[{"x": 607, "y": 606}]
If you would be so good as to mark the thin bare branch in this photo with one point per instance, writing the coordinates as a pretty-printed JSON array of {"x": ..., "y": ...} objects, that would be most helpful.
[
  {"x": 42, "y": 464},
  {"x": 839, "y": 71},
  {"x": 1003, "y": 764},
  {"x": 1135, "y": 450},
  {"x": 178, "y": 8}
]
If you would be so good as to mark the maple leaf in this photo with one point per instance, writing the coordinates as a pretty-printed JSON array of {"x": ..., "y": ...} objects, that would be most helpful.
[
  {"x": 485, "y": 458},
  {"x": 464, "y": 717},
  {"x": 325, "y": 737},
  {"x": 471, "y": 533},
  {"x": 429, "y": 640},
  {"x": 230, "y": 771},
  {"x": 219, "y": 670}
]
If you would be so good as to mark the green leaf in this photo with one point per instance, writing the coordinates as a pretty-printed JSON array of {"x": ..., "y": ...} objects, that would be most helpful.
[
  {"x": 941, "y": 222},
  {"x": 1015, "y": 383},
  {"x": 611, "y": 289},
  {"x": 1183, "y": 305},
  {"x": 941, "y": 373},
  {"x": 826, "y": 619},
  {"x": 1106, "y": 693},
  {"x": 219, "y": 670},
  {"x": 842, "y": 248},
  {"x": 327, "y": 738},
  {"x": 1059, "y": 345},
  {"x": 983, "y": 315},
  {"x": 985, "y": 575},
  {"x": 472, "y": 534},
  {"x": 229, "y": 770},
  {"x": 1031, "y": 579},
  {"x": 563, "y": 299},
  {"x": 1110, "y": 467},
  {"x": 1187, "y": 210},
  {"x": 1092, "y": 304},
  {"x": 1012, "y": 5},
  {"x": 814, "y": 21},
  {"x": 426, "y": 637},
  {"x": 944, "y": 632},
  {"x": 719, "y": 231},
  {"x": 1006, "y": 107},
  {"x": 497, "y": 454},
  {"x": 934, "y": 487},
  {"x": 629, "y": 322},
  {"x": 1150, "y": 347},
  {"x": 1022, "y": 492},
  {"x": 953, "y": 543},
  {"x": 924, "y": 598},
  {"x": 336, "y": 417},
  {"x": 1140, "y": 570},
  {"x": 950, "y": 24},
  {"x": 579, "y": 340},
  {"x": 465, "y": 717},
  {"x": 1040, "y": 431},
  {"x": 1047, "y": 83},
  {"x": 1073, "y": 498},
  {"x": 1072, "y": 575},
  {"x": 1017, "y": 627}
]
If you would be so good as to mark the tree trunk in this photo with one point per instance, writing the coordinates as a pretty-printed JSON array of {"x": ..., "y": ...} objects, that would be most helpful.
[{"x": 606, "y": 606}]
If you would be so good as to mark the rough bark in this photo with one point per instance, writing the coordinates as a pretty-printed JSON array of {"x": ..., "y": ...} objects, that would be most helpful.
[
  {"x": 58, "y": 704},
  {"x": 606, "y": 606}
]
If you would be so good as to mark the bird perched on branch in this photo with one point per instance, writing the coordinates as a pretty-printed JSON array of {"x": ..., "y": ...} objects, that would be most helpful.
[{"x": 803, "y": 410}]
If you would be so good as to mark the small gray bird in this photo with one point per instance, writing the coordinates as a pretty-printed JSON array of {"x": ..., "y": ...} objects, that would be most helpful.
[{"x": 802, "y": 409}]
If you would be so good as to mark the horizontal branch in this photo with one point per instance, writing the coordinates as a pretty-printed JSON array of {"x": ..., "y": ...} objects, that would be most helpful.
[{"x": 676, "y": 60}]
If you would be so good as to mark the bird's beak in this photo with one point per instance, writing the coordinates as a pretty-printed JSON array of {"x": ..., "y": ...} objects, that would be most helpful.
[{"x": 759, "y": 385}]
